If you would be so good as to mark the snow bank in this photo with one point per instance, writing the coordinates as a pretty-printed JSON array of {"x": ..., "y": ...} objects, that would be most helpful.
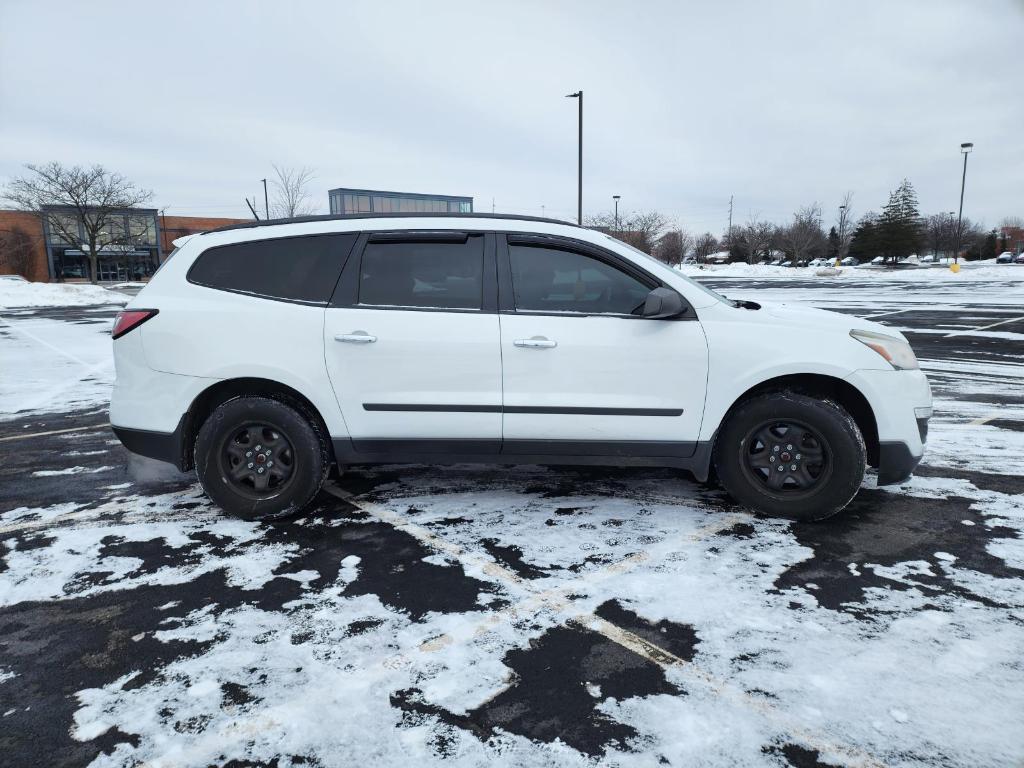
[
  {"x": 968, "y": 272},
  {"x": 18, "y": 294}
]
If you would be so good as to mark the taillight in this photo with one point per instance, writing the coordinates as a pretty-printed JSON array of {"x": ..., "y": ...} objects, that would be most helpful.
[{"x": 127, "y": 319}]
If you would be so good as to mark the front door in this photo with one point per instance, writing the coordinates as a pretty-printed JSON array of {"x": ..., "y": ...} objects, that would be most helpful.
[
  {"x": 412, "y": 344},
  {"x": 583, "y": 372}
]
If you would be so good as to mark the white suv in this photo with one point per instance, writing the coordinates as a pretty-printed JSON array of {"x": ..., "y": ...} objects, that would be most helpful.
[{"x": 262, "y": 354}]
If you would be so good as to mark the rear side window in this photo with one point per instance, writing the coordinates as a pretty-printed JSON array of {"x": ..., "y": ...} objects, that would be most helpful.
[
  {"x": 302, "y": 269},
  {"x": 430, "y": 274}
]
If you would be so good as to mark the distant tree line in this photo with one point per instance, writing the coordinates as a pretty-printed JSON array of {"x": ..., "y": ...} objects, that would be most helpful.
[{"x": 897, "y": 232}]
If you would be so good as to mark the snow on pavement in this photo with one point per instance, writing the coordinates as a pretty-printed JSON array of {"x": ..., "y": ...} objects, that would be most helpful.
[{"x": 467, "y": 615}]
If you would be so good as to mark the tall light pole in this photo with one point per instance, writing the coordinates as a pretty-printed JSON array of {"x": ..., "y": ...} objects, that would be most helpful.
[
  {"x": 266, "y": 200},
  {"x": 616, "y": 199},
  {"x": 579, "y": 180},
  {"x": 965, "y": 149}
]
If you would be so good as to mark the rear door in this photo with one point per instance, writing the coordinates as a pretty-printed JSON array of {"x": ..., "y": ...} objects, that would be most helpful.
[
  {"x": 412, "y": 344},
  {"x": 583, "y": 372}
]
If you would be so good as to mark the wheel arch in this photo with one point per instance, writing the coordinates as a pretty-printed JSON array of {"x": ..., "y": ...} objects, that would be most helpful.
[
  {"x": 822, "y": 386},
  {"x": 228, "y": 389}
]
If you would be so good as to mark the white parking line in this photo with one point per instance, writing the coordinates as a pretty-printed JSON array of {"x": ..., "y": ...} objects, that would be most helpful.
[
  {"x": 983, "y": 327},
  {"x": 557, "y": 599},
  {"x": 51, "y": 432},
  {"x": 894, "y": 312}
]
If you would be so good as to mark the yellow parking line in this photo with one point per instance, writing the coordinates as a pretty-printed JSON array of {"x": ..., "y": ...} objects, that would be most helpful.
[
  {"x": 983, "y": 327},
  {"x": 51, "y": 432},
  {"x": 623, "y": 637}
]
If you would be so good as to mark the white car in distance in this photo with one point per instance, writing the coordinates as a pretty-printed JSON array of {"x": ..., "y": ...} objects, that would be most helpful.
[{"x": 262, "y": 354}]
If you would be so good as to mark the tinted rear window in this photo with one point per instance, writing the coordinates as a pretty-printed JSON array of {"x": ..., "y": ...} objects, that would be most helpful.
[
  {"x": 301, "y": 269},
  {"x": 438, "y": 275}
]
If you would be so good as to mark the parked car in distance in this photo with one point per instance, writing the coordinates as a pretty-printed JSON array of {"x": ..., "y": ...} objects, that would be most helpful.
[
  {"x": 689, "y": 260},
  {"x": 1004, "y": 258},
  {"x": 820, "y": 263},
  {"x": 850, "y": 261},
  {"x": 13, "y": 278},
  {"x": 263, "y": 354},
  {"x": 1019, "y": 259},
  {"x": 929, "y": 258}
]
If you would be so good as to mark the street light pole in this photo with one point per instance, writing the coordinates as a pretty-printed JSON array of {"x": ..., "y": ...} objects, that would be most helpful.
[
  {"x": 266, "y": 200},
  {"x": 616, "y": 199},
  {"x": 579, "y": 179},
  {"x": 965, "y": 149}
]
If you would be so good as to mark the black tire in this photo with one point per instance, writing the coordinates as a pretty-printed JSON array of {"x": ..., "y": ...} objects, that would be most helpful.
[
  {"x": 292, "y": 459},
  {"x": 818, "y": 439}
]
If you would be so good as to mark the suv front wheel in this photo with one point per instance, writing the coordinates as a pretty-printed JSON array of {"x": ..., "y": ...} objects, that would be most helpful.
[
  {"x": 791, "y": 455},
  {"x": 260, "y": 458}
]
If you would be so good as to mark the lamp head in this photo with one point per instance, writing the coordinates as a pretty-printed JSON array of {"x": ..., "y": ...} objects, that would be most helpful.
[{"x": 966, "y": 147}]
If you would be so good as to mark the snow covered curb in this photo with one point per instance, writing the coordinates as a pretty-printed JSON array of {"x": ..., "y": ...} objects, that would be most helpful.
[{"x": 18, "y": 294}]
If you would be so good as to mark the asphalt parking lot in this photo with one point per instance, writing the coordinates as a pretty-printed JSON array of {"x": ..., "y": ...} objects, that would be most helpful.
[{"x": 520, "y": 616}]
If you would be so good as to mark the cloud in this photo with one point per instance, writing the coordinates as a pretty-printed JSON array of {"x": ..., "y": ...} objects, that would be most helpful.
[{"x": 777, "y": 103}]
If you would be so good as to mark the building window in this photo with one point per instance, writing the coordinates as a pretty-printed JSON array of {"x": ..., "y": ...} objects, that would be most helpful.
[
  {"x": 142, "y": 230},
  {"x": 61, "y": 223}
]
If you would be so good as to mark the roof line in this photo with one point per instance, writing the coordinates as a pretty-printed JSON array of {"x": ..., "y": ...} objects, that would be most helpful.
[{"x": 348, "y": 216}]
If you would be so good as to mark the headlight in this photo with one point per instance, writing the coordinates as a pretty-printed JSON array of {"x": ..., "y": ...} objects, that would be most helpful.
[{"x": 896, "y": 351}]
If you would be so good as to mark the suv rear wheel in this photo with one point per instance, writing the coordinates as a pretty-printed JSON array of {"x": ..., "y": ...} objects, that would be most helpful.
[
  {"x": 259, "y": 458},
  {"x": 791, "y": 455}
]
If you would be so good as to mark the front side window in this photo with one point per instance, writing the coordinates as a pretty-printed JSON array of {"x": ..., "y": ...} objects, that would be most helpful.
[
  {"x": 556, "y": 280},
  {"x": 427, "y": 274},
  {"x": 303, "y": 269}
]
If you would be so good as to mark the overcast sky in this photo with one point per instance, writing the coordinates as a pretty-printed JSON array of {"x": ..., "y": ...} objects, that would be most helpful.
[{"x": 687, "y": 103}]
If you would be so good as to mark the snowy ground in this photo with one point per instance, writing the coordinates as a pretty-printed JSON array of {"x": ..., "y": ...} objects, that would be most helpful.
[{"x": 531, "y": 616}]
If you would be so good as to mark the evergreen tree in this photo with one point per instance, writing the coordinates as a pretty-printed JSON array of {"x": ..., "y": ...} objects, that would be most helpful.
[
  {"x": 899, "y": 228},
  {"x": 833, "y": 244},
  {"x": 864, "y": 242}
]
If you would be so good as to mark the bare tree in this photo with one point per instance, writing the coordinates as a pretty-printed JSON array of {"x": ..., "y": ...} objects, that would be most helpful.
[
  {"x": 804, "y": 238},
  {"x": 639, "y": 229},
  {"x": 16, "y": 252},
  {"x": 673, "y": 246},
  {"x": 757, "y": 236},
  {"x": 939, "y": 233},
  {"x": 844, "y": 224},
  {"x": 291, "y": 193},
  {"x": 79, "y": 204},
  {"x": 704, "y": 246}
]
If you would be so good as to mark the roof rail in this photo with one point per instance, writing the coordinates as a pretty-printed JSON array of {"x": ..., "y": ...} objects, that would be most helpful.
[{"x": 347, "y": 216}]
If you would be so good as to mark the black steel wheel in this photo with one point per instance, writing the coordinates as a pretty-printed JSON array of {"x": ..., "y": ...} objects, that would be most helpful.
[
  {"x": 787, "y": 457},
  {"x": 791, "y": 455},
  {"x": 259, "y": 458}
]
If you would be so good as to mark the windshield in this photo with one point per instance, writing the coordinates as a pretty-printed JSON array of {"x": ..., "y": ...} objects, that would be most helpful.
[{"x": 663, "y": 265}]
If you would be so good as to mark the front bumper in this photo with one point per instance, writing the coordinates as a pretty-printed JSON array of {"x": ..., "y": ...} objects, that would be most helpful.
[
  {"x": 902, "y": 404},
  {"x": 895, "y": 462}
]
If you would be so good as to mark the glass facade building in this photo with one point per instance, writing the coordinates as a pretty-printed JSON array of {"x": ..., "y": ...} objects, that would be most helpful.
[
  {"x": 363, "y": 201},
  {"x": 128, "y": 247}
]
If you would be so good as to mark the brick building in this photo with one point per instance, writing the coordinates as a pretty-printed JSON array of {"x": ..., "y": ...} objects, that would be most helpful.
[{"x": 33, "y": 244}]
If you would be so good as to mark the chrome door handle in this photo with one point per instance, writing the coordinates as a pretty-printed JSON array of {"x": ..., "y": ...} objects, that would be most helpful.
[
  {"x": 356, "y": 337},
  {"x": 536, "y": 342}
]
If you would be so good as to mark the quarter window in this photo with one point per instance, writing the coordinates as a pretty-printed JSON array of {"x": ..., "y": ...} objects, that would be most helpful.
[
  {"x": 440, "y": 275},
  {"x": 556, "y": 280},
  {"x": 303, "y": 269}
]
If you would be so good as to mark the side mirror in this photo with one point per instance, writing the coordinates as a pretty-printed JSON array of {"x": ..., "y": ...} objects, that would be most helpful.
[{"x": 664, "y": 303}]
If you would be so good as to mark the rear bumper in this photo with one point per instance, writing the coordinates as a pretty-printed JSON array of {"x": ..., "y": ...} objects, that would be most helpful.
[
  {"x": 896, "y": 462},
  {"x": 162, "y": 446}
]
